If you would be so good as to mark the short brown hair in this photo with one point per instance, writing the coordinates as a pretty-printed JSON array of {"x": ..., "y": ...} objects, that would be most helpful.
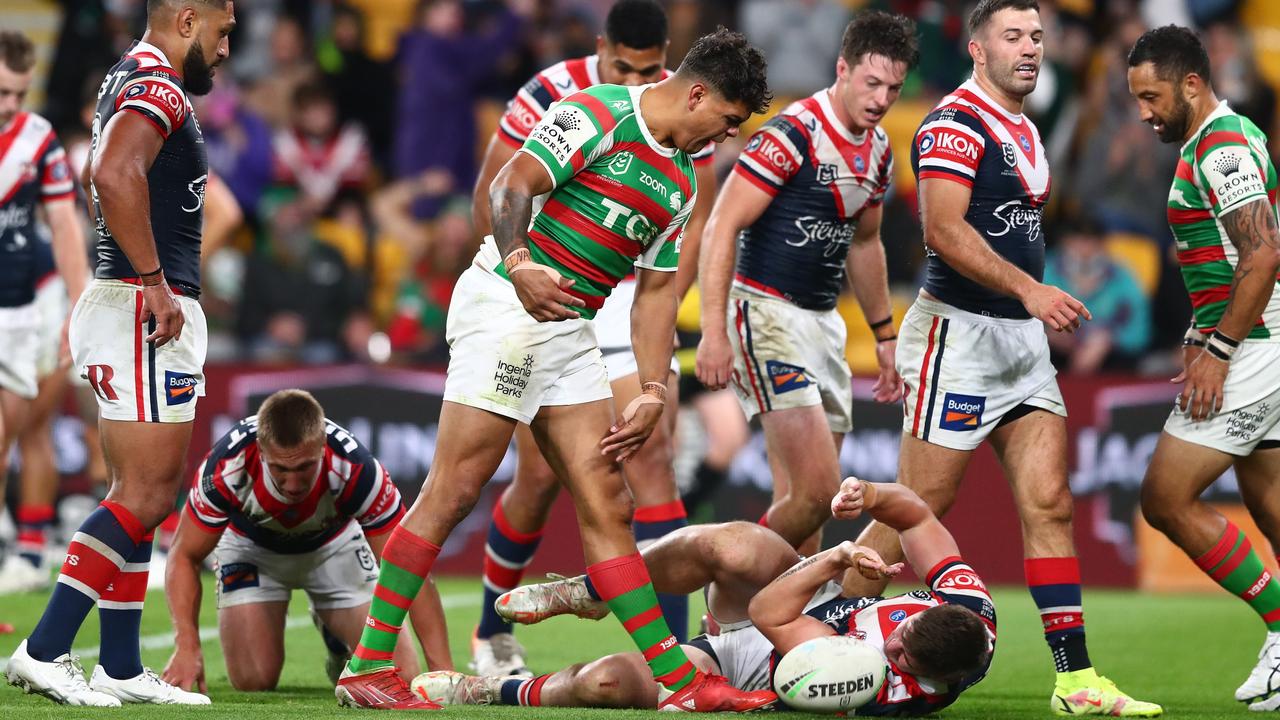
[
  {"x": 986, "y": 9},
  {"x": 289, "y": 419},
  {"x": 16, "y": 51},
  {"x": 948, "y": 641},
  {"x": 875, "y": 32}
]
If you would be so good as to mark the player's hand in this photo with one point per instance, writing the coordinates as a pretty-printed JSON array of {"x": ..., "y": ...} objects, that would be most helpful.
[
  {"x": 1203, "y": 380},
  {"x": 714, "y": 363},
  {"x": 542, "y": 292},
  {"x": 635, "y": 426},
  {"x": 852, "y": 498},
  {"x": 866, "y": 561},
  {"x": 159, "y": 302},
  {"x": 185, "y": 669},
  {"x": 1055, "y": 308},
  {"x": 888, "y": 387}
]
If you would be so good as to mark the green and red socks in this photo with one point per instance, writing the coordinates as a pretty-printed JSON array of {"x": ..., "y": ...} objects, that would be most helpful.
[
  {"x": 623, "y": 582},
  {"x": 1233, "y": 564},
  {"x": 406, "y": 561}
]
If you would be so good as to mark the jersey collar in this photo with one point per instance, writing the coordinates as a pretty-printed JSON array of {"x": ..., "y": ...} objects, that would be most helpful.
[
  {"x": 972, "y": 86},
  {"x": 146, "y": 47},
  {"x": 593, "y": 69},
  {"x": 636, "y": 92},
  {"x": 1221, "y": 111},
  {"x": 824, "y": 102}
]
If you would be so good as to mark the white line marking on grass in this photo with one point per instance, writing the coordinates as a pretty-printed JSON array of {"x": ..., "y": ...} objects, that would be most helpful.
[{"x": 164, "y": 640}]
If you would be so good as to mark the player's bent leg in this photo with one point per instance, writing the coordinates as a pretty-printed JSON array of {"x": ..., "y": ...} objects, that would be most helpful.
[
  {"x": 39, "y": 477},
  {"x": 252, "y": 637},
  {"x": 800, "y": 438},
  {"x": 1033, "y": 449},
  {"x": 934, "y": 472},
  {"x": 346, "y": 625}
]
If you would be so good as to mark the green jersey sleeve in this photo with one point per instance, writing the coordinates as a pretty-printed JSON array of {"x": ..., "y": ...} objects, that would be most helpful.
[
  {"x": 570, "y": 137},
  {"x": 1229, "y": 169}
]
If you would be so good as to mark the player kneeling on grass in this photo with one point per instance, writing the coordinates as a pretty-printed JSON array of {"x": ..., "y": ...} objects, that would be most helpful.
[
  {"x": 309, "y": 508},
  {"x": 937, "y": 642}
]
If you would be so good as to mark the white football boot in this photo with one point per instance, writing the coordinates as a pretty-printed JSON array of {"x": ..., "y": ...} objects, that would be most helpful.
[
  {"x": 446, "y": 687},
  {"x": 147, "y": 687},
  {"x": 1264, "y": 681},
  {"x": 18, "y": 575},
  {"x": 529, "y": 604},
  {"x": 499, "y": 655},
  {"x": 62, "y": 680}
]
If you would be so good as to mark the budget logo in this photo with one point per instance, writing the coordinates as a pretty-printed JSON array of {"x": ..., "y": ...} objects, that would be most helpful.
[
  {"x": 785, "y": 378},
  {"x": 179, "y": 388},
  {"x": 962, "y": 412},
  {"x": 238, "y": 576}
]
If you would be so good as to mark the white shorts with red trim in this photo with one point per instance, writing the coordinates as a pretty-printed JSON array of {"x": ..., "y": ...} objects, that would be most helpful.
[
  {"x": 613, "y": 330},
  {"x": 1251, "y": 405},
  {"x": 339, "y": 574},
  {"x": 19, "y": 349},
  {"x": 51, "y": 308},
  {"x": 787, "y": 357},
  {"x": 963, "y": 372},
  {"x": 504, "y": 361},
  {"x": 134, "y": 380}
]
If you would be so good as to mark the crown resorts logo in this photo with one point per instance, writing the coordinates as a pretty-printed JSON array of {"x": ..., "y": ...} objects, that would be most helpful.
[
  {"x": 1227, "y": 164},
  {"x": 565, "y": 121}
]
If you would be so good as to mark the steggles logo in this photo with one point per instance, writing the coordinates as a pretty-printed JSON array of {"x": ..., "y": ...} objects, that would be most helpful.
[
  {"x": 1227, "y": 164},
  {"x": 565, "y": 122}
]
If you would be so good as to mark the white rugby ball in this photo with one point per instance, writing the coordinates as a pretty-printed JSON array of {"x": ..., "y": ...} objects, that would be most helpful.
[{"x": 830, "y": 674}]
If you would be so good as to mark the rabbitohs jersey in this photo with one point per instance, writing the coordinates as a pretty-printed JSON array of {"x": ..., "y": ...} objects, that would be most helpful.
[
  {"x": 1222, "y": 168},
  {"x": 619, "y": 200}
]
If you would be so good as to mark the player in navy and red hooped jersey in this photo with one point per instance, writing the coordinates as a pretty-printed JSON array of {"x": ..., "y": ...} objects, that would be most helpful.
[
  {"x": 308, "y": 508},
  {"x": 766, "y": 600},
  {"x": 973, "y": 351},
  {"x": 803, "y": 204},
  {"x": 34, "y": 178},
  {"x": 632, "y": 51},
  {"x": 138, "y": 336}
]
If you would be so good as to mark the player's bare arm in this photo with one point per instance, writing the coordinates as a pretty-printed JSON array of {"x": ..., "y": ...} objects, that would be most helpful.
[
  {"x": 925, "y": 541},
  {"x": 738, "y": 205},
  {"x": 182, "y": 591},
  {"x": 1252, "y": 230},
  {"x": 540, "y": 289},
  {"x": 426, "y": 613},
  {"x": 778, "y": 610},
  {"x": 870, "y": 280},
  {"x": 691, "y": 245},
  {"x": 118, "y": 172},
  {"x": 943, "y": 205},
  {"x": 69, "y": 257},
  {"x": 653, "y": 325},
  {"x": 496, "y": 155}
]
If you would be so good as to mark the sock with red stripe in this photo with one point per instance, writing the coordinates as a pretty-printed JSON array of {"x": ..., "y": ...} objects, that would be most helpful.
[
  {"x": 94, "y": 558},
  {"x": 1233, "y": 564},
  {"x": 1055, "y": 587},
  {"x": 623, "y": 583},
  {"x": 34, "y": 522},
  {"x": 507, "y": 553},
  {"x": 523, "y": 691},
  {"x": 406, "y": 561},
  {"x": 120, "y": 615},
  {"x": 651, "y": 523}
]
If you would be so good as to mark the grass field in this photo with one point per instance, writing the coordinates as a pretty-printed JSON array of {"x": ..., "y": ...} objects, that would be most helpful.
[{"x": 1186, "y": 652}]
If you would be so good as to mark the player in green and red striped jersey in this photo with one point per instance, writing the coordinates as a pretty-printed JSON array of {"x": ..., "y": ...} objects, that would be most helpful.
[
  {"x": 1222, "y": 209},
  {"x": 603, "y": 184}
]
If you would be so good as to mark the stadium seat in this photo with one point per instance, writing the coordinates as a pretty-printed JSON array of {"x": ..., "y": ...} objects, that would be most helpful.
[{"x": 1140, "y": 254}]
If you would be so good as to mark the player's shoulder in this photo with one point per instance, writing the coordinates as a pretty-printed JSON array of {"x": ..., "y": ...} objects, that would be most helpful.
[
  {"x": 954, "y": 111},
  {"x": 344, "y": 444},
  {"x": 237, "y": 439},
  {"x": 34, "y": 124},
  {"x": 1228, "y": 128}
]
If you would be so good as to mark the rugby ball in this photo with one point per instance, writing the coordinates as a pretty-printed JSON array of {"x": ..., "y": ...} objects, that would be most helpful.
[{"x": 830, "y": 674}]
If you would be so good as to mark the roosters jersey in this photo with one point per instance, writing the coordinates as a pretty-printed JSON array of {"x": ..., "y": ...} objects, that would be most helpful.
[
  {"x": 143, "y": 82},
  {"x": 872, "y": 619},
  {"x": 822, "y": 177},
  {"x": 33, "y": 170},
  {"x": 233, "y": 487},
  {"x": 551, "y": 86},
  {"x": 971, "y": 140}
]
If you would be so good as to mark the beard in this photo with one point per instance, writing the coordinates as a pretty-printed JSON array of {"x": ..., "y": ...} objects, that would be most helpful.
[
  {"x": 1175, "y": 126},
  {"x": 197, "y": 75}
]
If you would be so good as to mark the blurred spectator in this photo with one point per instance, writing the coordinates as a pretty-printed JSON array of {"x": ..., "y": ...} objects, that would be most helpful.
[
  {"x": 291, "y": 65},
  {"x": 238, "y": 143},
  {"x": 1235, "y": 75},
  {"x": 796, "y": 37},
  {"x": 361, "y": 85},
  {"x": 441, "y": 64},
  {"x": 315, "y": 154},
  {"x": 1121, "y": 326}
]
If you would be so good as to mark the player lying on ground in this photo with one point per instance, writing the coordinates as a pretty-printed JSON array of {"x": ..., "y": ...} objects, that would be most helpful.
[
  {"x": 938, "y": 642},
  {"x": 310, "y": 508}
]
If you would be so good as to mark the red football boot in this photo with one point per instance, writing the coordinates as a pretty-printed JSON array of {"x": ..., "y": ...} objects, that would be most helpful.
[
  {"x": 713, "y": 693},
  {"x": 379, "y": 690}
]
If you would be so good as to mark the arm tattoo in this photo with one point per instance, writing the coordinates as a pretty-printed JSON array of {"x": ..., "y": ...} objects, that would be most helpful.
[
  {"x": 800, "y": 566},
  {"x": 1248, "y": 229},
  {"x": 510, "y": 211}
]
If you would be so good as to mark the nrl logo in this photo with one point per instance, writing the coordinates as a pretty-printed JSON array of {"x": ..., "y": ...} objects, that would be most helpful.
[
  {"x": 1010, "y": 154},
  {"x": 620, "y": 163},
  {"x": 827, "y": 173},
  {"x": 676, "y": 201},
  {"x": 1226, "y": 164},
  {"x": 565, "y": 121}
]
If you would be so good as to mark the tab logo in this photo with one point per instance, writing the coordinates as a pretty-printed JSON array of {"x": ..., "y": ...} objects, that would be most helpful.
[
  {"x": 180, "y": 388},
  {"x": 962, "y": 413},
  {"x": 784, "y": 377}
]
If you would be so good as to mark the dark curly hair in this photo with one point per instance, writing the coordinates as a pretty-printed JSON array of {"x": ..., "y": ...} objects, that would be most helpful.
[
  {"x": 986, "y": 9},
  {"x": 1175, "y": 52},
  {"x": 637, "y": 24},
  {"x": 728, "y": 64},
  {"x": 877, "y": 32}
]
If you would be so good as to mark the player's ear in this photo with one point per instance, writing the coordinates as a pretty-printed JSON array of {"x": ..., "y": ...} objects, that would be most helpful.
[
  {"x": 842, "y": 68},
  {"x": 187, "y": 22},
  {"x": 1192, "y": 86},
  {"x": 697, "y": 93},
  {"x": 975, "y": 53}
]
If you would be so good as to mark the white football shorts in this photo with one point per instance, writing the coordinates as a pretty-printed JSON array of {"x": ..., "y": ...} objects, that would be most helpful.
[
  {"x": 1251, "y": 405},
  {"x": 134, "y": 380},
  {"x": 963, "y": 372},
  {"x": 19, "y": 350},
  {"x": 339, "y": 574}
]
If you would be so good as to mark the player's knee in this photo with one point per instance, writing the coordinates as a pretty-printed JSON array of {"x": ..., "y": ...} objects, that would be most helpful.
[
  {"x": 608, "y": 512},
  {"x": 253, "y": 680},
  {"x": 733, "y": 548},
  {"x": 1158, "y": 509},
  {"x": 1050, "y": 506},
  {"x": 609, "y": 682}
]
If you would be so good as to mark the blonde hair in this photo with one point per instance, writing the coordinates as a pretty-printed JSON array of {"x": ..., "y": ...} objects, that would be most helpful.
[{"x": 290, "y": 418}]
